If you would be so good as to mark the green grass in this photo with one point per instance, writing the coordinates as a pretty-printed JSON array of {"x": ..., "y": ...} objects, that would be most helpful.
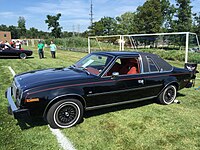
[
  {"x": 137, "y": 126},
  {"x": 150, "y": 126},
  {"x": 38, "y": 137}
]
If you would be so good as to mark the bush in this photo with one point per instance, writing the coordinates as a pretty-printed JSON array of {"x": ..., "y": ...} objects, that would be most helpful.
[
  {"x": 176, "y": 55},
  {"x": 81, "y": 44}
]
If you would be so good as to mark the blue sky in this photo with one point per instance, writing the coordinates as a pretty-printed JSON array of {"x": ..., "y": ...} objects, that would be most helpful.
[{"x": 74, "y": 12}]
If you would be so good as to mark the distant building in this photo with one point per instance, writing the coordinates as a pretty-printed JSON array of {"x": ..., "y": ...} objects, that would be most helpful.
[{"x": 5, "y": 36}]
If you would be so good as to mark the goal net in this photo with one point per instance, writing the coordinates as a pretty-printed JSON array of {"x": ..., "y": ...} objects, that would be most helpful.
[{"x": 182, "y": 44}]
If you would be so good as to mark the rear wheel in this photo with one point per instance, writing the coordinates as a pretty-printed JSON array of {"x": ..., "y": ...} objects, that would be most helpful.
[
  {"x": 65, "y": 113},
  {"x": 168, "y": 95},
  {"x": 23, "y": 56}
]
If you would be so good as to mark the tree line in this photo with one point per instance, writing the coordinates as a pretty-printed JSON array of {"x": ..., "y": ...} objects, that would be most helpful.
[{"x": 153, "y": 16}]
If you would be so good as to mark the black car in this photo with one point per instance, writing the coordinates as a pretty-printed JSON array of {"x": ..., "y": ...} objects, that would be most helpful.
[
  {"x": 8, "y": 51},
  {"x": 101, "y": 79}
]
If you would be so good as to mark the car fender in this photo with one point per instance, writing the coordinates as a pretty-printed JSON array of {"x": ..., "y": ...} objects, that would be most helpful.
[
  {"x": 169, "y": 83},
  {"x": 65, "y": 96}
]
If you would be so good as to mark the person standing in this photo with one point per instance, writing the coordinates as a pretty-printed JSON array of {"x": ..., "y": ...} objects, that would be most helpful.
[
  {"x": 12, "y": 44},
  {"x": 18, "y": 45},
  {"x": 41, "y": 49},
  {"x": 53, "y": 49},
  {"x": 7, "y": 44}
]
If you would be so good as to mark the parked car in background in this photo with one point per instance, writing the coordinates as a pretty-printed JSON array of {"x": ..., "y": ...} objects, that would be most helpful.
[
  {"x": 101, "y": 79},
  {"x": 194, "y": 49},
  {"x": 8, "y": 51}
]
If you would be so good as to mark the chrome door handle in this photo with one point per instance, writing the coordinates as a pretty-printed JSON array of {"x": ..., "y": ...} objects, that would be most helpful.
[{"x": 141, "y": 81}]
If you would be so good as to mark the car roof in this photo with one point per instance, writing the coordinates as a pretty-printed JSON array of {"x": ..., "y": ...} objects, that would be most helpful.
[
  {"x": 161, "y": 63},
  {"x": 117, "y": 53}
]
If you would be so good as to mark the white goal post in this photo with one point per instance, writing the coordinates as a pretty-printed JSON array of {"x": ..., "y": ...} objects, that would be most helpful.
[{"x": 131, "y": 37}]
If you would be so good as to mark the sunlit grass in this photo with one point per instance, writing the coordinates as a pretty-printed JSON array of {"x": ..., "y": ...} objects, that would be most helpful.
[{"x": 141, "y": 125}]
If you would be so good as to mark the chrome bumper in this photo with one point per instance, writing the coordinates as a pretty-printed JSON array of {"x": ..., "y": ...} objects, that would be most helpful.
[{"x": 13, "y": 109}]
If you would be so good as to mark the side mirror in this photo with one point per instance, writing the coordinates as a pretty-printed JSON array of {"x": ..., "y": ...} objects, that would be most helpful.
[{"x": 115, "y": 74}]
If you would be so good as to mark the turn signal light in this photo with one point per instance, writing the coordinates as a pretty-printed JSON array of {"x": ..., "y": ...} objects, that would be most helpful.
[{"x": 32, "y": 100}]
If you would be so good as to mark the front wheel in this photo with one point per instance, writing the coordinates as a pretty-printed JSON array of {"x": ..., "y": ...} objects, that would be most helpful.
[
  {"x": 168, "y": 95},
  {"x": 65, "y": 113},
  {"x": 23, "y": 56}
]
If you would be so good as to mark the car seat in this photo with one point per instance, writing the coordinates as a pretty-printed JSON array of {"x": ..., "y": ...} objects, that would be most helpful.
[{"x": 129, "y": 66}]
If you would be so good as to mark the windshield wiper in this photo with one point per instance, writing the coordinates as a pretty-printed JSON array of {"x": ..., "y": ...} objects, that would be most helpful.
[
  {"x": 72, "y": 66},
  {"x": 80, "y": 68},
  {"x": 85, "y": 69}
]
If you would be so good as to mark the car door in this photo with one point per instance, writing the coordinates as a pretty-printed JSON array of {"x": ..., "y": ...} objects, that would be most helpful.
[
  {"x": 117, "y": 87},
  {"x": 127, "y": 87},
  {"x": 153, "y": 78},
  {"x": 104, "y": 91},
  {"x": 12, "y": 52},
  {"x": 8, "y": 51},
  {"x": 2, "y": 50}
]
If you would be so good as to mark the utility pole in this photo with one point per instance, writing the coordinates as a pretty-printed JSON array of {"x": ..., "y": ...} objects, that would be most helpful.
[
  {"x": 73, "y": 30},
  {"x": 91, "y": 13},
  {"x": 78, "y": 29}
]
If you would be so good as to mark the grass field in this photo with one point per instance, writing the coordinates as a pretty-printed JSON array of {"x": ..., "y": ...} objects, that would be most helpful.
[{"x": 137, "y": 126}]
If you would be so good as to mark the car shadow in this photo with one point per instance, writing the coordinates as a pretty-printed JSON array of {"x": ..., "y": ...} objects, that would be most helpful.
[
  {"x": 133, "y": 105},
  {"x": 28, "y": 123},
  {"x": 180, "y": 95},
  {"x": 32, "y": 122},
  {"x": 15, "y": 57}
]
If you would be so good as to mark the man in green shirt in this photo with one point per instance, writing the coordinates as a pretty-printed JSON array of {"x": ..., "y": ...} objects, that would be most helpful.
[{"x": 41, "y": 50}]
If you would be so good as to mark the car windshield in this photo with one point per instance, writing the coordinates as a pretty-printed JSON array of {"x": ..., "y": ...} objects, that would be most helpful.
[{"x": 93, "y": 63}]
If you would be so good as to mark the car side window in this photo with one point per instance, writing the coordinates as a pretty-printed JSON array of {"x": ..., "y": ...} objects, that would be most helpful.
[
  {"x": 2, "y": 47},
  {"x": 125, "y": 66},
  {"x": 93, "y": 63},
  {"x": 152, "y": 66}
]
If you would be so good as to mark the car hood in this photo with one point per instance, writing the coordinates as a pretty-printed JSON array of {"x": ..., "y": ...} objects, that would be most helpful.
[{"x": 49, "y": 76}]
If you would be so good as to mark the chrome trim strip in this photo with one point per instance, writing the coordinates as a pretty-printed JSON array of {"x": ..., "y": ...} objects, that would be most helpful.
[
  {"x": 141, "y": 64},
  {"x": 125, "y": 90},
  {"x": 114, "y": 104},
  {"x": 10, "y": 100}
]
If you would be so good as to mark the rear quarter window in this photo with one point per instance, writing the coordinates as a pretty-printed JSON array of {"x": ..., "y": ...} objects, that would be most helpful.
[
  {"x": 162, "y": 64},
  {"x": 152, "y": 66},
  {"x": 154, "y": 63}
]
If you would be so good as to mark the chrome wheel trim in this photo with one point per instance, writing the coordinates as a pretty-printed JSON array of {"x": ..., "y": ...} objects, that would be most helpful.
[{"x": 61, "y": 107}]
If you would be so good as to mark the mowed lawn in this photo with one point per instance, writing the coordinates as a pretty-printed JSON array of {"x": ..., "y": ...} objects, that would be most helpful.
[{"x": 141, "y": 125}]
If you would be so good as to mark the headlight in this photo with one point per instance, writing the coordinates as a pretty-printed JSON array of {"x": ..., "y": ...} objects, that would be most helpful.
[{"x": 16, "y": 91}]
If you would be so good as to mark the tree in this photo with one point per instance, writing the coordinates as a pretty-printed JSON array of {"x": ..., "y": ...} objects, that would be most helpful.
[
  {"x": 3, "y": 28},
  {"x": 149, "y": 17},
  {"x": 183, "y": 21},
  {"x": 167, "y": 11},
  {"x": 196, "y": 25},
  {"x": 126, "y": 23},
  {"x": 32, "y": 33},
  {"x": 22, "y": 26},
  {"x": 105, "y": 26},
  {"x": 54, "y": 25},
  {"x": 14, "y": 32}
]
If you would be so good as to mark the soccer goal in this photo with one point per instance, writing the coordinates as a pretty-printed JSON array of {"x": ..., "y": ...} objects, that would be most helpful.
[{"x": 186, "y": 42}]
